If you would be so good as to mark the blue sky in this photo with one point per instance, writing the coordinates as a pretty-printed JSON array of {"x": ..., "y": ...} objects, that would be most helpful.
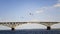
[
  {"x": 19, "y": 10},
  {"x": 29, "y": 10}
]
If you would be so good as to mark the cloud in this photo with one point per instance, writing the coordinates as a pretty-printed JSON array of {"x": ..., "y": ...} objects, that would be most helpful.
[
  {"x": 49, "y": 12},
  {"x": 50, "y": 8},
  {"x": 57, "y": 4},
  {"x": 40, "y": 11}
]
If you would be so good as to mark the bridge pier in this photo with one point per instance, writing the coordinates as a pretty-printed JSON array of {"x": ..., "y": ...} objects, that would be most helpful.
[
  {"x": 48, "y": 28},
  {"x": 12, "y": 29}
]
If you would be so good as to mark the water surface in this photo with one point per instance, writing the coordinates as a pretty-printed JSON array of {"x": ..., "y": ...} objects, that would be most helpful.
[{"x": 30, "y": 31}]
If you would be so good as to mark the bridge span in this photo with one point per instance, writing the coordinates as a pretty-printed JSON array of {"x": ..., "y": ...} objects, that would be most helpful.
[{"x": 12, "y": 25}]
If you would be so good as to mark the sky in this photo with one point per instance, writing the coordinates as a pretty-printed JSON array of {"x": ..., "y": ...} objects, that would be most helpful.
[{"x": 29, "y": 10}]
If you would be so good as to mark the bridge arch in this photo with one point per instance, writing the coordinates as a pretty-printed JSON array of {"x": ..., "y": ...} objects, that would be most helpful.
[
  {"x": 56, "y": 26},
  {"x": 31, "y": 26},
  {"x": 3, "y": 27}
]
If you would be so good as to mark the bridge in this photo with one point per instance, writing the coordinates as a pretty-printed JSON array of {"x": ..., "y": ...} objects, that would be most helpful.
[{"x": 12, "y": 25}]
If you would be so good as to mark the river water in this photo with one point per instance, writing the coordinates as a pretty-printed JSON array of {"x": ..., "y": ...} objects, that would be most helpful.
[{"x": 30, "y": 31}]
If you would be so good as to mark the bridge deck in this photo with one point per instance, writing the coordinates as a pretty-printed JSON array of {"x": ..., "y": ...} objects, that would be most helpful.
[{"x": 14, "y": 24}]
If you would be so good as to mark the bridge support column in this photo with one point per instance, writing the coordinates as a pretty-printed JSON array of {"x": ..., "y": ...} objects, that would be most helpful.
[
  {"x": 48, "y": 28},
  {"x": 12, "y": 29}
]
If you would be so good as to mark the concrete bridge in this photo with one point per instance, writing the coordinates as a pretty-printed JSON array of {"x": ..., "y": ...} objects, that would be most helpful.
[{"x": 12, "y": 25}]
